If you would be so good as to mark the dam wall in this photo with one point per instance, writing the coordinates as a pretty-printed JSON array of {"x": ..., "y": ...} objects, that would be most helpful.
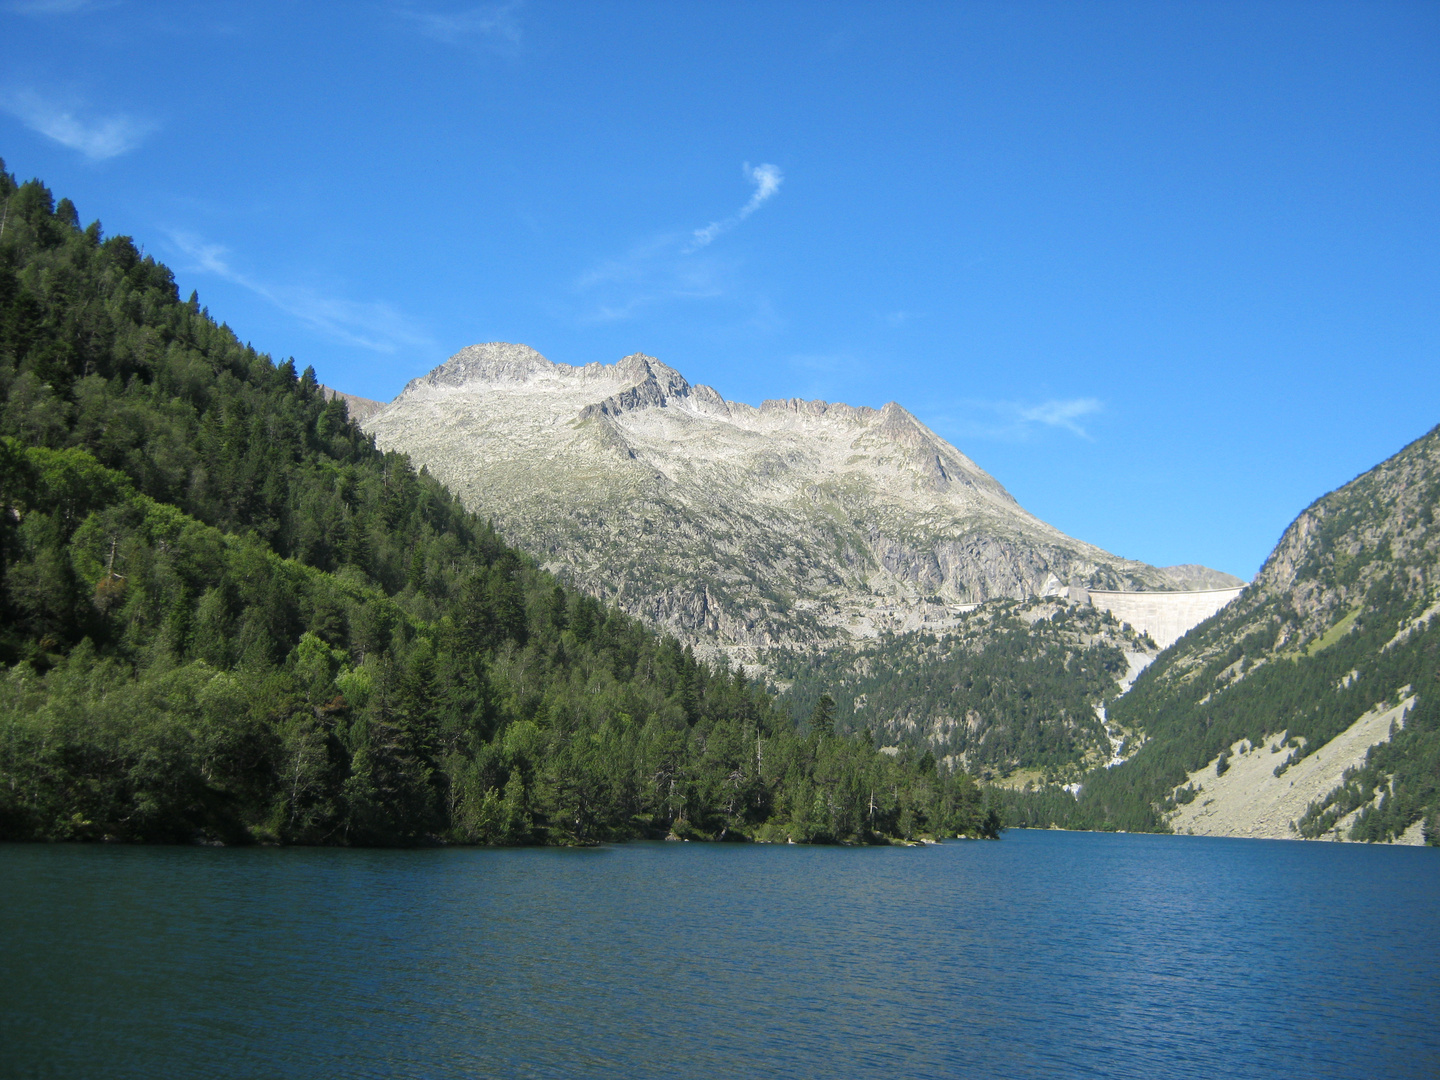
[{"x": 1165, "y": 616}]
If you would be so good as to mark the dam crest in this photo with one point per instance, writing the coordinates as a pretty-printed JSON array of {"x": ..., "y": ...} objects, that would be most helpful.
[{"x": 1165, "y": 616}]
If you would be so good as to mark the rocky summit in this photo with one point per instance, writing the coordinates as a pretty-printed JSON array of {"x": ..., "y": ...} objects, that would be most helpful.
[{"x": 797, "y": 524}]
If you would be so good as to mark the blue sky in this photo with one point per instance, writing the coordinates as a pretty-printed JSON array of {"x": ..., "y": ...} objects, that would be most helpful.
[{"x": 1169, "y": 272}]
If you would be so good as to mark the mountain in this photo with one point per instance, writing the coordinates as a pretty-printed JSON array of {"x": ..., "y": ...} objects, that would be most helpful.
[
  {"x": 226, "y": 617},
  {"x": 797, "y": 524},
  {"x": 356, "y": 408},
  {"x": 1198, "y": 578},
  {"x": 1310, "y": 705}
]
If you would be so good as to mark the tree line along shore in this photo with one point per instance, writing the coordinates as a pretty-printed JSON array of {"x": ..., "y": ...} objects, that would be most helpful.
[{"x": 225, "y": 616}]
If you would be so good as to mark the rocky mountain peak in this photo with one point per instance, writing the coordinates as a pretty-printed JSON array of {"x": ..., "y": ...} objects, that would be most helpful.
[
  {"x": 735, "y": 527},
  {"x": 1343, "y": 544},
  {"x": 655, "y": 386},
  {"x": 493, "y": 362}
]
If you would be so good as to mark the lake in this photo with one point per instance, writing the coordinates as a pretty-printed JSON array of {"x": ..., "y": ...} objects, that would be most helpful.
[{"x": 1046, "y": 954}]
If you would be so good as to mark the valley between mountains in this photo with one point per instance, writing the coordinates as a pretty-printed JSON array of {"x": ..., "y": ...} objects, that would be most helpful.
[
  {"x": 564, "y": 605},
  {"x": 825, "y": 547},
  {"x": 871, "y": 571}
]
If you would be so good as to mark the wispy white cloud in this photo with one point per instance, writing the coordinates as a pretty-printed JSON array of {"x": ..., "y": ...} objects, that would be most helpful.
[
  {"x": 97, "y": 138},
  {"x": 767, "y": 180},
  {"x": 672, "y": 266},
  {"x": 368, "y": 325},
  {"x": 493, "y": 26},
  {"x": 629, "y": 268},
  {"x": 1062, "y": 414},
  {"x": 648, "y": 274},
  {"x": 1011, "y": 421},
  {"x": 209, "y": 258}
]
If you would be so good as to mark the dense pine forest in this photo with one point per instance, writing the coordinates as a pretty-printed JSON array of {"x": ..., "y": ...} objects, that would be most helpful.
[
  {"x": 1013, "y": 685},
  {"x": 225, "y": 616}
]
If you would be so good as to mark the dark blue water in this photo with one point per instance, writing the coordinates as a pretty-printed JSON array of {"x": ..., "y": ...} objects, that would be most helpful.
[{"x": 1043, "y": 955}]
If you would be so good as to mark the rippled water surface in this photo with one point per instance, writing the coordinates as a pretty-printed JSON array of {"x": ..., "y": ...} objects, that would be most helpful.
[{"x": 1043, "y": 955}]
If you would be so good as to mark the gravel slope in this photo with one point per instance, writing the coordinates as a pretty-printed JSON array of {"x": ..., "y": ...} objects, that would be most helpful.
[{"x": 1250, "y": 800}]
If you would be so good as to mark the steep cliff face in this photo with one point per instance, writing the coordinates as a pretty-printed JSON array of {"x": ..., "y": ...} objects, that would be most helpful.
[
  {"x": 796, "y": 523},
  {"x": 1366, "y": 554}
]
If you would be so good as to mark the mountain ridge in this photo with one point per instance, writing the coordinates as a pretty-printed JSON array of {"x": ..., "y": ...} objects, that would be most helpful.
[
  {"x": 226, "y": 617},
  {"x": 736, "y": 527}
]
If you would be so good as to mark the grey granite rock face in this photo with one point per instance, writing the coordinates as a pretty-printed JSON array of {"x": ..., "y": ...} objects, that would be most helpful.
[
  {"x": 1191, "y": 577},
  {"x": 734, "y": 527}
]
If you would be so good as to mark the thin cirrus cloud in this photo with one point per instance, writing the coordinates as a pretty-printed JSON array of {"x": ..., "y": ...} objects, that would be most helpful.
[
  {"x": 647, "y": 274},
  {"x": 1010, "y": 421},
  {"x": 98, "y": 138},
  {"x": 767, "y": 180},
  {"x": 492, "y": 26},
  {"x": 374, "y": 326},
  {"x": 1062, "y": 414},
  {"x": 672, "y": 266}
]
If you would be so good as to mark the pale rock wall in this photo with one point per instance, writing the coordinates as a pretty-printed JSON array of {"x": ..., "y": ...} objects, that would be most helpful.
[{"x": 358, "y": 408}]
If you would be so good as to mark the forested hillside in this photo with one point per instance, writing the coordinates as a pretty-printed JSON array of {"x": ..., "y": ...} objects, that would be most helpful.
[
  {"x": 1013, "y": 685},
  {"x": 225, "y": 616},
  {"x": 1342, "y": 618}
]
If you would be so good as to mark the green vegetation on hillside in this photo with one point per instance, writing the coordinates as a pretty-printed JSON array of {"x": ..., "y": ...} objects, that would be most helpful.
[
  {"x": 225, "y": 616},
  {"x": 1302, "y": 696},
  {"x": 1013, "y": 685},
  {"x": 1342, "y": 618}
]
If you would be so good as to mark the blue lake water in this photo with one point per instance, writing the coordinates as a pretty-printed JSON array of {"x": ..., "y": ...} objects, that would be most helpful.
[{"x": 1044, "y": 955}]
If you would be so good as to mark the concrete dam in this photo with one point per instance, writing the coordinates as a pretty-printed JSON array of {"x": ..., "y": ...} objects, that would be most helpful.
[{"x": 1165, "y": 616}]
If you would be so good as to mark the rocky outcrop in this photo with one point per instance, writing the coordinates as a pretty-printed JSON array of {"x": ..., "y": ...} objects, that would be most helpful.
[
  {"x": 1331, "y": 563},
  {"x": 1192, "y": 578},
  {"x": 795, "y": 523}
]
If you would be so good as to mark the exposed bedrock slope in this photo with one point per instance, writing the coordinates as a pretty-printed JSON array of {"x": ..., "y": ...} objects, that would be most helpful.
[{"x": 794, "y": 523}]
